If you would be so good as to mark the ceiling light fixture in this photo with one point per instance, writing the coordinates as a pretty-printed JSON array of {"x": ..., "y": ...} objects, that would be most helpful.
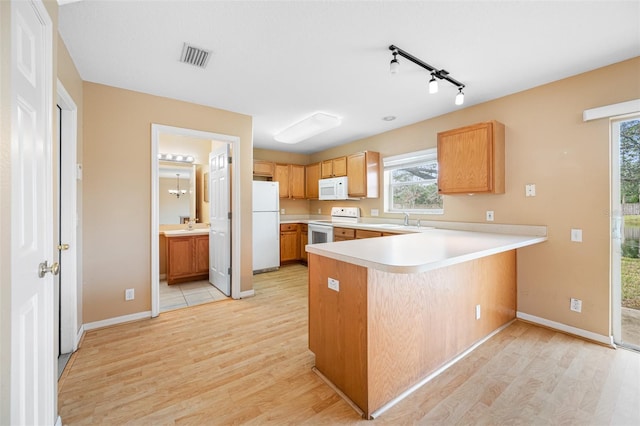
[
  {"x": 307, "y": 128},
  {"x": 435, "y": 73},
  {"x": 177, "y": 192}
]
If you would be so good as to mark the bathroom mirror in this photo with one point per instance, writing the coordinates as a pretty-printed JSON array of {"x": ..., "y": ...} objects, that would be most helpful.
[{"x": 177, "y": 193}]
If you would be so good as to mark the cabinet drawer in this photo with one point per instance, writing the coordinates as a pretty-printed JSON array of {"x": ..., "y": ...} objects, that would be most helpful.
[
  {"x": 304, "y": 228},
  {"x": 363, "y": 233},
  {"x": 344, "y": 233},
  {"x": 288, "y": 227}
]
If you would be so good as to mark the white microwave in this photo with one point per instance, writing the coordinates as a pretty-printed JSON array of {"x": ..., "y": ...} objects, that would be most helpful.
[{"x": 333, "y": 188}]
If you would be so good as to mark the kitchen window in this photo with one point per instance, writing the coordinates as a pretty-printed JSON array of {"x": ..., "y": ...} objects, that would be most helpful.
[{"x": 411, "y": 183}]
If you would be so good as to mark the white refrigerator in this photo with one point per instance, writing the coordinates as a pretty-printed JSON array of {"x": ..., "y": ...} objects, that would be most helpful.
[{"x": 266, "y": 226}]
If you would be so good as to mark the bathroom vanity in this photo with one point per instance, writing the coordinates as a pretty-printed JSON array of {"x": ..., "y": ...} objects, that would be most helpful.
[{"x": 187, "y": 255}]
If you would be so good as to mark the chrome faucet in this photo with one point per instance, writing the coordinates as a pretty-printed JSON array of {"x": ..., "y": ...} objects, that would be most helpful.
[
  {"x": 406, "y": 219},
  {"x": 190, "y": 224}
]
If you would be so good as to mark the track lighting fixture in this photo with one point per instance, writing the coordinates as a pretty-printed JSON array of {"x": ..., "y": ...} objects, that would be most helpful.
[
  {"x": 435, "y": 73},
  {"x": 433, "y": 84},
  {"x": 460, "y": 97},
  {"x": 394, "y": 65}
]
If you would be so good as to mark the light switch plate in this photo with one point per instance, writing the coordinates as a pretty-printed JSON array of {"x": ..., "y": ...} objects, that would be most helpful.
[
  {"x": 489, "y": 215},
  {"x": 576, "y": 235},
  {"x": 374, "y": 212},
  {"x": 333, "y": 284},
  {"x": 530, "y": 190}
]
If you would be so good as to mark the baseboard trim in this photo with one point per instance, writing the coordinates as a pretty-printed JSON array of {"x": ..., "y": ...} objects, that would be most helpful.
[
  {"x": 605, "y": 340},
  {"x": 116, "y": 320},
  {"x": 247, "y": 293}
]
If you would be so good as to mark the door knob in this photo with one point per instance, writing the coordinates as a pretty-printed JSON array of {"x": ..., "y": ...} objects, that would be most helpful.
[
  {"x": 63, "y": 246},
  {"x": 43, "y": 268}
]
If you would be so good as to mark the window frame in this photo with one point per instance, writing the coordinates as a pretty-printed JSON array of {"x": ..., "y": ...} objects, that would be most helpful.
[{"x": 401, "y": 161}]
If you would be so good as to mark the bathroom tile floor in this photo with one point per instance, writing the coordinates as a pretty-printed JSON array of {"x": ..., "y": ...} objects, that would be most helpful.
[{"x": 187, "y": 294}]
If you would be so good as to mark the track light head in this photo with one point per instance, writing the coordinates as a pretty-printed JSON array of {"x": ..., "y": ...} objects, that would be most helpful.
[
  {"x": 394, "y": 65},
  {"x": 460, "y": 97},
  {"x": 433, "y": 84}
]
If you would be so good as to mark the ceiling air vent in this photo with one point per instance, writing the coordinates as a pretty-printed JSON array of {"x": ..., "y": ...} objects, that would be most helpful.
[{"x": 195, "y": 56}]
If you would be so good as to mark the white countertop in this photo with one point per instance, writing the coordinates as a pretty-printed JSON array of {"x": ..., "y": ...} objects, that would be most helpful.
[
  {"x": 422, "y": 251},
  {"x": 185, "y": 232}
]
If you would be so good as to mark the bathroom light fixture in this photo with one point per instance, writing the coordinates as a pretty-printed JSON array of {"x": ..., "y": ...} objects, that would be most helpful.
[
  {"x": 177, "y": 192},
  {"x": 307, "y": 128},
  {"x": 435, "y": 73},
  {"x": 180, "y": 158}
]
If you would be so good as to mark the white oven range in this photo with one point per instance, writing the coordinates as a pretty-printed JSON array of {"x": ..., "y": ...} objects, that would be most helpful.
[{"x": 321, "y": 231}]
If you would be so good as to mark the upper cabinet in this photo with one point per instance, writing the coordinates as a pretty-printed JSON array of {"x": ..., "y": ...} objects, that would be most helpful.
[
  {"x": 363, "y": 172},
  {"x": 290, "y": 178},
  {"x": 334, "y": 167},
  {"x": 471, "y": 159},
  {"x": 312, "y": 175},
  {"x": 263, "y": 168}
]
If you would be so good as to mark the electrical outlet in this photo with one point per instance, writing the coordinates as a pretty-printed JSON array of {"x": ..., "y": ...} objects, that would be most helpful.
[
  {"x": 576, "y": 305},
  {"x": 282, "y": 211},
  {"x": 489, "y": 215},
  {"x": 576, "y": 235},
  {"x": 129, "y": 294},
  {"x": 477, "y": 312},
  {"x": 374, "y": 212},
  {"x": 334, "y": 284},
  {"x": 320, "y": 211},
  {"x": 530, "y": 190}
]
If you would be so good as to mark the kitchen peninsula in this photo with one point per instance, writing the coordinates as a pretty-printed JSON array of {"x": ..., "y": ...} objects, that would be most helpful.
[{"x": 386, "y": 313}]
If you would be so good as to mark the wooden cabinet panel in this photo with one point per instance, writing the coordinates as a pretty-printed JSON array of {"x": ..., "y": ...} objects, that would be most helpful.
[
  {"x": 263, "y": 168},
  {"x": 304, "y": 240},
  {"x": 342, "y": 234},
  {"x": 281, "y": 175},
  {"x": 363, "y": 171},
  {"x": 187, "y": 258},
  {"x": 312, "y": 175},
  {"x": 334, "y": 167},
  {"x": 296, "y": 181},
  {"x": 289, "y": 242},
  {"x": 471, "y": 159},
  {"x": 365, "y": 233}
]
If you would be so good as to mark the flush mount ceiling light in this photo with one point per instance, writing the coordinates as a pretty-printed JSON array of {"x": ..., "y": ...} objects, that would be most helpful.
[
  {"x": 307, "y": 128},
  {"x": 435, "y": 73}
]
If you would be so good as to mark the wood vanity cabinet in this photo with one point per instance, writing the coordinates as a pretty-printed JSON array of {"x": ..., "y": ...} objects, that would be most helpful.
[
  {"x": 343, "y": 234},
  {"x": 363, "y": 171},
  {"x": 187, "y": 258},
  {"x": 290, "y": 178},
  {"x": 334, "y": 167},
  {"x": 312, "y": 176},
  {"x": 289, "y": 242},
  {"x": 471, "y": 159},
  {"x": 304, "y": 240},
  {"x": 263, "y": 168}
]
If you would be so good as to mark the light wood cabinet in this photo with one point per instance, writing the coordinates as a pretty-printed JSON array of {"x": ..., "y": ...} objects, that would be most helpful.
[
  {"x": 290, "y": 178},
  {"x": 289, "y": 242},
  {"x": 312, "y": 176},
  {"x": 343, "y": 234},
  {"x": 363, "y": 171},
  {"x": 365, "y": 233},
  {"x": 263, "y": 168},
  {"x": 471, "y": 159},
  {"x": 334, "y": 167},
  {"x": 187, "y": 258},
  {"x": 304, "y": 240}
]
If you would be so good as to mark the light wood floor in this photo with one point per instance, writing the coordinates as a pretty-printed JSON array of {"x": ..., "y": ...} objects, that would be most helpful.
[{"x": 247, "y": 362}]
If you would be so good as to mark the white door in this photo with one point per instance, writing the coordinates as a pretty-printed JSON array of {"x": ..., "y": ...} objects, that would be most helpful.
[
  {"x": 33, "y": 384},
  {"x": 219, "y": 238}
]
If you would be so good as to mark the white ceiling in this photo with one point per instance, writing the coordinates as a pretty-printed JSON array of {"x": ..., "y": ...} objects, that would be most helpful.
[{"x": 280, "y": 61}]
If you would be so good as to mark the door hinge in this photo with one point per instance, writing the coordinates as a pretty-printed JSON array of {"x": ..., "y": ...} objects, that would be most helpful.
[
  {"x": 229, "y": 159},
  {"x": 229, "y": 271},
  {"x": 229, "y": 215}
]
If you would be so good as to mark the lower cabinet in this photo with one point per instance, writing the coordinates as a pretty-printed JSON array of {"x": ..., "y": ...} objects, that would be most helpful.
[
  {"x": 304, "y": 240},
  {"x": 187, "y": 258},
  {"x": 289, "y": 242},
  {"x": 343, "y": 234}
]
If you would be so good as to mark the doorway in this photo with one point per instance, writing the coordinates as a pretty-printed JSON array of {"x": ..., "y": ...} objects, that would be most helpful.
[
  {"x": 68, "y": 251},
  {"x": 234, "y": 143},
  {"x": 625, "y": 159}
]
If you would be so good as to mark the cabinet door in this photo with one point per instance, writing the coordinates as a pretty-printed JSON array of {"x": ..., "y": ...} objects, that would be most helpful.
[
  {"x": 281, "y": 175},
  {"x": 327, "y": 169},
  {"x": 340, "y": 166},
  {"x": 289, "y": 246},
  {"x": 364, "y": 174},
  {"x": 304, "y": 240},
  {"x": 296, "y": 181},
  {"x": 202, "y": 254},
  {"x": 365, "y": 233},
  {"x": 471, "y": 159},
  {"x": 263, "y": 168},
  {"x": 312, "y": 175},
  {"x": 179, "y": 257}
]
